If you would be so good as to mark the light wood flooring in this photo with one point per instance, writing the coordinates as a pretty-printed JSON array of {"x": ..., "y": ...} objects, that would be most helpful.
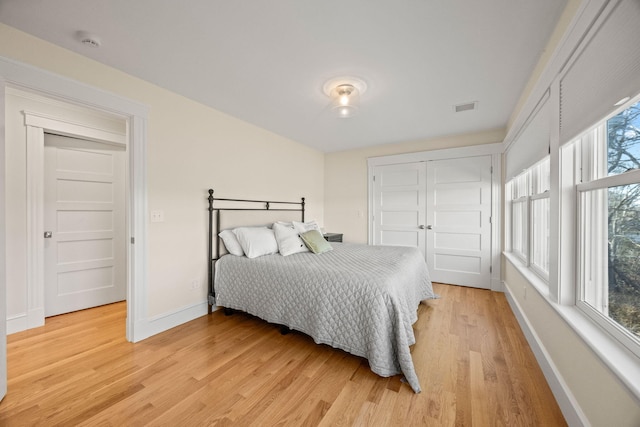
[{"x": 474, "y": 365}]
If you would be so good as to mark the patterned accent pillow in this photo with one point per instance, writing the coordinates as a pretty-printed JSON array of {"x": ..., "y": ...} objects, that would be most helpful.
[
  {"x": 288, "y": 240},
  {"x": 303, "y": 227}
]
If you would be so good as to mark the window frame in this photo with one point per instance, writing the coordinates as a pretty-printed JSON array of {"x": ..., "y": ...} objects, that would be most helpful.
[
  {"x": 539, "y": 270},
  {"x": 521, "y": 251},
  {"x": 531, "y": 185},
  {"x": 619, "y": 332},
  {"x": 591, "y": 175}
]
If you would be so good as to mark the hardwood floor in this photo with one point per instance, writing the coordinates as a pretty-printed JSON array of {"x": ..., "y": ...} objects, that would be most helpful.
[{"x": 474, "y": 364}]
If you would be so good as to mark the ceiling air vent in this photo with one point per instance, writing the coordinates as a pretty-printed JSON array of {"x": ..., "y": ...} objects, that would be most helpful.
[{"x": 468, "y": 106}]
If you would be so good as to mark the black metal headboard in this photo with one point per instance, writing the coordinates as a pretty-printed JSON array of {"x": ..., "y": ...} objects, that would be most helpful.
[{"x": 266, "y": 206}]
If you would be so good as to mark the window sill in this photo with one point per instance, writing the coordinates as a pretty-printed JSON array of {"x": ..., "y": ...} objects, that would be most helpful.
[
  {"x": 532, "y": 277},
  {"x": 620, "y": 360}
]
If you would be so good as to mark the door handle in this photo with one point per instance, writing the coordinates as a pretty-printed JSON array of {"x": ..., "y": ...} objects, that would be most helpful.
[
  {"x": 48, "y": 234},
  {"x": 421, "y": 227},
  {"x": 429, "y": 227}
]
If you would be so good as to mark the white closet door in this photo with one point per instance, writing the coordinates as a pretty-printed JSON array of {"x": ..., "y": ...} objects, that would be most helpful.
[
  {"x": 85, "y": 253},
  {"x": 458, "y": 221},
  {"x": 399, "y": 205}
]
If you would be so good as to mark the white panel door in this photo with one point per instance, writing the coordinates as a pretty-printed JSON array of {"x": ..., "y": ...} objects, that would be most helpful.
[
  {"x": 458, "y": 221},
  {"x": 85, "y": 255},
  {"x": 399, "y": 205}
]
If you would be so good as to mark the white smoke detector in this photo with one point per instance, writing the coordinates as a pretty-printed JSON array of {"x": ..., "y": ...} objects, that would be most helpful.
[{"x": 88, "y": 39}]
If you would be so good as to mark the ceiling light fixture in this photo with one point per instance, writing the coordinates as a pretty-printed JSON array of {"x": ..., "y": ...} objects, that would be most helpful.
[{"x": 344, "y": 93}]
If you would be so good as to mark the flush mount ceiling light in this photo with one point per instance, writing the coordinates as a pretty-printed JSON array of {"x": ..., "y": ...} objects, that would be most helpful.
[{"x": 344, "y": 93}]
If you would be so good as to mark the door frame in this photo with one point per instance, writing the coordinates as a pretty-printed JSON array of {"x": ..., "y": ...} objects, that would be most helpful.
[
  {"x": 37, "y": 126},
  {"x": 35, "y": 80},
  {"x": 495, "y": 151}
]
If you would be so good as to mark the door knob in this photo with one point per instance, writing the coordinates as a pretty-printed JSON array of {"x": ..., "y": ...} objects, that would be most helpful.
[
  {"x": 429, "y": 227},
  {"x": 421, "y": 227},
  {"x": 48, "y": 234}
]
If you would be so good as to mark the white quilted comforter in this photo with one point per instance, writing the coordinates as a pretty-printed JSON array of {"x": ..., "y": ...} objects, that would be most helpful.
[{"x": 359, "y": 298}]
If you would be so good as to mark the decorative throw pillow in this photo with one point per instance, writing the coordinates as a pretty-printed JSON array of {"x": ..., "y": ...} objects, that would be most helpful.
[
  {"x": 288, "y": 240},
  {"x": 315, "y": 242},
  {"x": 256, "y": 241},
  {"x": 303, "y": 227},
  {"x": 231, "y": 242}
]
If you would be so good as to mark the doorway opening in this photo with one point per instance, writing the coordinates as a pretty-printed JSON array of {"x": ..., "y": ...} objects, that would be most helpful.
[{"x": 30, "y": 125}]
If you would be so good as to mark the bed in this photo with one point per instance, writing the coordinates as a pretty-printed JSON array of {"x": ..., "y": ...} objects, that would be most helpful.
[{"x": 362, "y": 299}]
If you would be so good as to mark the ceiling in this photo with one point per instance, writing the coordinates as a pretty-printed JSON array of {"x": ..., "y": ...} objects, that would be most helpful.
[{"x": 265, "y": 62}]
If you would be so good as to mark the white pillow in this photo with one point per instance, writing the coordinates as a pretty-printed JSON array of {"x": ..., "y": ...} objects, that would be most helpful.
[
  {"x": 231, "y": 243},
  {"x": 303, "y": 227},
  {"x": 286, "y": 224},
  {"x": 288, "y": 240},
  {"x": 256, "y": 241}
]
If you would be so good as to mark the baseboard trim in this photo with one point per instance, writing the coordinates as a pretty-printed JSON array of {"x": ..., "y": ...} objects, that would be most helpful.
[
  {"x": 35, "y": 318},
  {"x": 17, "y": 323},
  {"x": 23, "y": 321},
  {"x": 163, "y": 322},
  {"x": 568, "y": 405}
]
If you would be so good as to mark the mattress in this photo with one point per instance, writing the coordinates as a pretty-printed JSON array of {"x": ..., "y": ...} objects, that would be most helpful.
[{"x": 359, "y": 298}]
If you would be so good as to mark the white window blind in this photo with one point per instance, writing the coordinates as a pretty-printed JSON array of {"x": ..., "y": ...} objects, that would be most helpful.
[
  {"x": 532, "y": 143},
  {"x": 606, "y": 69}
]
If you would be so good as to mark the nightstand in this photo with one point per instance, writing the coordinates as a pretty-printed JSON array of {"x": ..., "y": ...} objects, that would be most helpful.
[{"x": 333, "y": 237}]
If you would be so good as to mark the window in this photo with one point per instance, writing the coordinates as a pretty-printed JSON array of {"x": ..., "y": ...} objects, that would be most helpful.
[
  {"x": 593, "y": 203},
  {"x": 529, "y": 209},
  {"x": 519, "y": 208},
  {"x": 539, "y": 258},
  {"x": 609, "y": 225}
]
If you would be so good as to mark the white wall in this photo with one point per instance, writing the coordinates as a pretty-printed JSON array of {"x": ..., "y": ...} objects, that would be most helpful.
[
  {"x": 599, "y": 394},
  {"x": 190, "y": 147},
  {"x": 345, "y": 183}
]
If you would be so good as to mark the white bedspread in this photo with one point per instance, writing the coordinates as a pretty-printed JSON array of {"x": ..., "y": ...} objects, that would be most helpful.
[{"x": 359, "y": 298}]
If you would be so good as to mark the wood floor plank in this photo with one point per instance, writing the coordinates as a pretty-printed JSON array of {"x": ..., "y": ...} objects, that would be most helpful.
[
  {"x": 479, "y": 412},
  {"x": 472, "y": 360},
  {"x": 347, "y": 406},
  {"x": 383, "y": 412}
]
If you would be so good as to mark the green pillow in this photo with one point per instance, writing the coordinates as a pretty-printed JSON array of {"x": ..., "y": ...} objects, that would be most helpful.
[{"x": 315, "y": 242}]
